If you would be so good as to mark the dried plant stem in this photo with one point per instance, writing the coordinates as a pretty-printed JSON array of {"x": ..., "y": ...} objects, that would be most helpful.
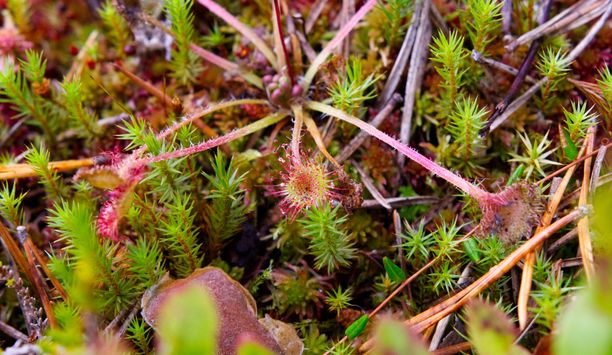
[
  {"x": 335, "y": 42},
  {"x": 402, "y": 57},
  {"x": 601, "y": 155},
  {"x": 425, "y": 319},
  {"x": 38, "y": 282},
  {"x": 283, "y": 61},
  {"x": 77, "y": 65},
  {"x": 454, "y": 349},
  {"x": 369, "y": 184},
  {"x": 479, "y": 58},
  {"x": 462, "y": 184},
  {"x": 520, "y": 75},
  {"x": 17, "y": 171},
  {"x": 416, "y": 70},
  {"x": 12, "y": 332},
  {"x": 315, "y": 11},
  {"x": 14, "y": 251},
  {"x": 521, "y": 100},
  {"x": 584, "y": 238},
  {"x": 397, "y": 202},
  {"x": 42, "y": 263},
  {"x": 312, "y": 128},
  {"x": 570, "y": 165},
  {"x": 356, "y": 142},
  {"x": 576, "y": 11},
  {"x": 245, "y": 30},
  {"x": 150, "y": 88}
]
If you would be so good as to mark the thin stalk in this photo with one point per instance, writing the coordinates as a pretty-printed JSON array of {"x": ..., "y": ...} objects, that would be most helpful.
[
  {"x": 335, "y": 42},
  {"x": 462, "y": 184},
  {"x": 199, "y": 114},
  {"x": 246, "y": 130},
  {"x": 296, "y": 134},
  {"x": 280, "y": 40},
  {"x": 242, "y": 28},
  {"x": 16, "y": 171}
]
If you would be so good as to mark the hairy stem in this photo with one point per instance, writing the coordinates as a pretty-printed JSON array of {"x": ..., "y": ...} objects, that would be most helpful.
[
  {"x": 246, "y": 130},
  {"x": 296, "y": 135},
  {"x": 463, "y": 185}
]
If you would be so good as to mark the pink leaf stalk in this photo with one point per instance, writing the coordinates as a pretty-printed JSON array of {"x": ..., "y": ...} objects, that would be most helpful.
[
  {"x": 335, "y": 42},
  {"x": 215, "y": 142},
  {"x": 201, "y": 113},
  {"x": 511, "y": 213},
  {"x": 126, "y": 174},
  {"x": 465, "y": 186},
  {"x": 242, "y": 28}
]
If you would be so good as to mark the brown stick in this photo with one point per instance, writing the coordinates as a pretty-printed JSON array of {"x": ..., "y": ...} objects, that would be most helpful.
[
  {"x": 38, "y": 284},
  {"x": 175, "y": 105},
  {"x": 14, "y": 251},
  {"x": 17, "y": 171},
  {"x": 520, "y": 76},
  {"x": 584, "y": 238}
]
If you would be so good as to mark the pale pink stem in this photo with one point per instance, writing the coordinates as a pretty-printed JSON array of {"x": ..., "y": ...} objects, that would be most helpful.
[
  {"x": 296, "y": 135},
  {"x": 242, "y": 28},
  {"x": 335, "y": 42},
  {"x": 199, "y": 114},
  {"x": 462, "y": 184},
  {"x": 226, "y": 65},
  {"x": 215, "y": 142}
]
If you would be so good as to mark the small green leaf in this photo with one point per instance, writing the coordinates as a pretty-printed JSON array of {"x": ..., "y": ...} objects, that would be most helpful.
[
  {"x": 471, "y": 249},
  {"x": 515, "y": 175},
  {"x": 571, "y": 151},
  {"x": 357, "y": 327},
  {"x": 395, "y": 272}
]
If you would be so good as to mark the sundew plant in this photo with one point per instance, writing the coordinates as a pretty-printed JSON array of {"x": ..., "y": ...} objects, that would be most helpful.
[{"x": 277, "y": 177}]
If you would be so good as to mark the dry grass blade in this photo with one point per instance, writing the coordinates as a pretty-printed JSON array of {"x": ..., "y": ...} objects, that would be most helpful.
[
  {"x": 416, "y": 70},
  {"x": 584, "y": 238},
  {"x": 38, "y": 284},
  {"x": 550, "y": 25},
  {"x": 14, "y": 251},
  {"x": 521, "y": 100},
  {"x": 175, "y": 104},
  {"x": 369, "y": 184},
  {"x": 18, "y": 171}
]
